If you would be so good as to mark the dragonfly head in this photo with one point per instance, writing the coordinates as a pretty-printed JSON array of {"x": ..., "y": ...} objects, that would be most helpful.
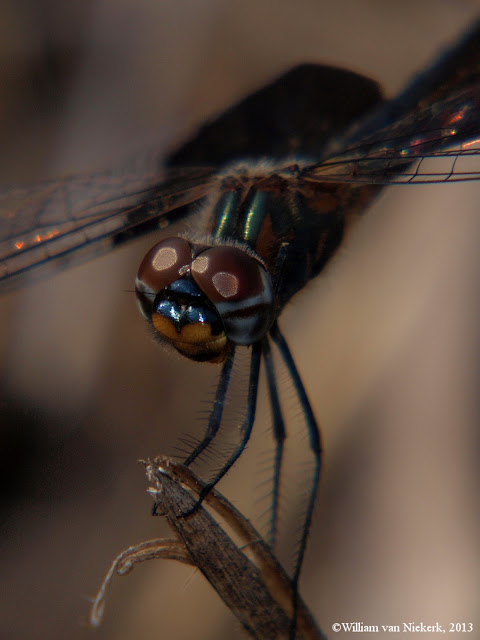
[{"x": 202, "y": 299}]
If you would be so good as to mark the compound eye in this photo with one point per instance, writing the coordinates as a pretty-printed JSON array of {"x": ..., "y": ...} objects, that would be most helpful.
[
  {"x": 163, "y": 264},
  {"x": 227, "y": 274},
  {"x": 240, "y": 288}
]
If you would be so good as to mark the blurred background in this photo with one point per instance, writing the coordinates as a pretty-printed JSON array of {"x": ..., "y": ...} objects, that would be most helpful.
[{"x": 387, "y": 341}]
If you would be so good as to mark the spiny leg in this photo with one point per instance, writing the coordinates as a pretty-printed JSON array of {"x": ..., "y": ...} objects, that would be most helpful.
[
  {"x": 246, "y": 426},
  {"x": 315, "y": 446},
  {"x": 215, "y": 418},
  {"x": 279, "y": 434}
]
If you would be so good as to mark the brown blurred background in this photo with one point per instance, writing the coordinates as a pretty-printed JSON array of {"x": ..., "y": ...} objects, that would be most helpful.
[{"x": 387, "y": 341}]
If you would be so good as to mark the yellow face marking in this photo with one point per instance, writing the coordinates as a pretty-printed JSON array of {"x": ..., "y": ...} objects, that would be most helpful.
[
  {"x": 213, "y": 351},
  {"x": 193, "y": 340},
  {"x": 165, "y": 327},
  {"x": 197, "y": 333}
]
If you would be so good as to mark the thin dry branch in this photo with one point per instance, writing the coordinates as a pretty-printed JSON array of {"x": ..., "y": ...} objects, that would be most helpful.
[{"x": 247, "y": 576}]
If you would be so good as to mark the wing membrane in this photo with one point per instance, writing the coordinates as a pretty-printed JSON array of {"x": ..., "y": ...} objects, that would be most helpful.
[
  {"x": 440, "y": 142},
  {"x": 401, "y": 167},
  {"x": 429, "y": 133},
  {"x": 61, "y": 222}
]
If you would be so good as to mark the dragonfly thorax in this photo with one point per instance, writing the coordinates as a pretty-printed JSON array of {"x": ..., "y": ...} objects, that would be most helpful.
[{"x": 203, "y": 299}]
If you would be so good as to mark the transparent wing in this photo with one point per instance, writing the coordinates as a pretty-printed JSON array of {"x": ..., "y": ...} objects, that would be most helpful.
[
  {"x": 62, "y": 222},
  {"x": 435, "y": 141},
  {"x": 458, "y": 164},
  {"x": 429, "y": 133}
]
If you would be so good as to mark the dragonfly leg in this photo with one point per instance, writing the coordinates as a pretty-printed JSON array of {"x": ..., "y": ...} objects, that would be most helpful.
[
  {"x": 215, "y": 419},
  {"x": 279, "y": 434},
  {"x": 245, "y": 428},
  {"x": 315, "y": 446}
]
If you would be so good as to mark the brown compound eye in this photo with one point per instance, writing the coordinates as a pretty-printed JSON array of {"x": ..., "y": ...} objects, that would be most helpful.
[
  {"x": 165, "y": 262},
  {"x": 240, "y": 288}
]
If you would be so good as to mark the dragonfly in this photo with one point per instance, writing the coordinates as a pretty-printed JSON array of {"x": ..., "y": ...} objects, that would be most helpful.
[{"x": 275, "y": 183}]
